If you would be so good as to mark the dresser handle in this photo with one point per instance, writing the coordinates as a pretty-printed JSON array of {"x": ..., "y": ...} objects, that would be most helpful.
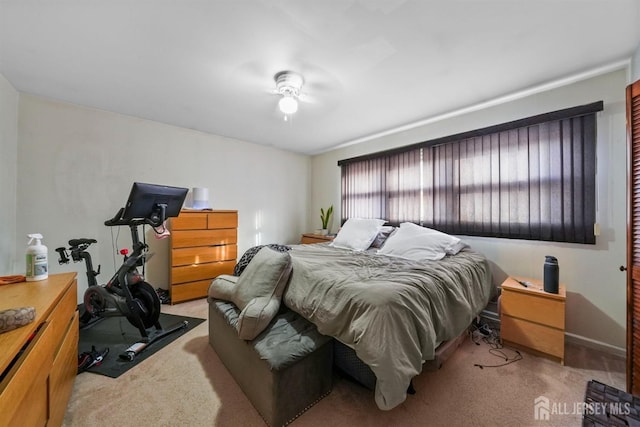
[{"x": 623, "y": 268}]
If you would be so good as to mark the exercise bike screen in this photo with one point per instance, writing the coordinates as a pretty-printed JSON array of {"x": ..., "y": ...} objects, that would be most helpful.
[{"x": 144, "y": 200}]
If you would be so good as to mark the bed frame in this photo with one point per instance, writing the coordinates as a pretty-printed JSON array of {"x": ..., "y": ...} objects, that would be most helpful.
[{"x": 346, "y": 360}]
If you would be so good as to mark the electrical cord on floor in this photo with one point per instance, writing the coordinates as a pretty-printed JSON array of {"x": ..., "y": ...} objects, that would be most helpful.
[
  {"x": 482, "y": 332},
  {"x": 114, "y": 246}
]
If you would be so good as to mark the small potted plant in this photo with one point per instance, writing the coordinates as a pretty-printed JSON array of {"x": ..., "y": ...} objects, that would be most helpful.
[{"x": 325, "y": 217}]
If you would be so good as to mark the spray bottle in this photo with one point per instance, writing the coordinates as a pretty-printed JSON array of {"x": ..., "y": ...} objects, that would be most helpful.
[{"x": 37, "y": 262}]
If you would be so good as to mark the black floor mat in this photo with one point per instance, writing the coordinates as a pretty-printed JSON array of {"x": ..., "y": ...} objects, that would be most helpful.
[{"x": 118, "y": 335}]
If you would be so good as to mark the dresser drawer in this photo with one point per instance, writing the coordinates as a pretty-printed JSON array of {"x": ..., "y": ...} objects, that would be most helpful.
[
  {"x": 222, "y": 220},
  {"x": 26, "y": 381},
  {"x": 192, "y": 238},
  {"x": 63, "y": 314},
  {"x": 189, "y": 221},
  {"x": 192, "y": 273},
  {"x": 188, "y": 291},
  {"x": 201, "y": 255},
  {"x": 32, "y": 411},
  {"x": 534, "y": 308},
  {"x": 63, "y": 372},
  {"x": 532, "y": 335}
]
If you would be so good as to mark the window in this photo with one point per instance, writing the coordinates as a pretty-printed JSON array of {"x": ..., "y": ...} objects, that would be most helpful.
[
  {"x": 529, "y": 179},
  {"x": 383, "y": 187}
]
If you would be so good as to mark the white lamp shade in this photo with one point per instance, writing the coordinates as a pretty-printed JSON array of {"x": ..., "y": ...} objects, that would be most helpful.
[{"x": 288, "y": 105}]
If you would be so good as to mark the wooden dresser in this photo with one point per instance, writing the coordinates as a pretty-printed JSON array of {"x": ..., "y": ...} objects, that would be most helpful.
[
  {"x": 39, "y": 361},
  {"x": 533, "y": 318},
  {"x": 203, "y": 246}
]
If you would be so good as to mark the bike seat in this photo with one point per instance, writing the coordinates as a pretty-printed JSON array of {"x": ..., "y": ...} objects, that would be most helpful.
[{"x": 78, "y": 242}]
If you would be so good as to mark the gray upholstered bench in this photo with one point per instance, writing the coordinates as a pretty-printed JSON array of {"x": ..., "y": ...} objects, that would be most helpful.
[{"x": 284, "y": 371}]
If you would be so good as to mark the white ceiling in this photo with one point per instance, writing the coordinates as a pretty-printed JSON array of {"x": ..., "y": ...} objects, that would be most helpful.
[{"x": 370, "y": 66}]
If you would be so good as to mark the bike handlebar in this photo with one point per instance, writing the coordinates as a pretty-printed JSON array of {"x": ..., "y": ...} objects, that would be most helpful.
[
  {"x": 155, "y": 219},
  {"x": 64, "y": 259},
  {"x": 115, "y": 220}
]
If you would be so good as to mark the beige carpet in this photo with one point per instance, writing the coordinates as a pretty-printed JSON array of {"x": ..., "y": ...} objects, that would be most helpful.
[{"x": 185, "y": 384}]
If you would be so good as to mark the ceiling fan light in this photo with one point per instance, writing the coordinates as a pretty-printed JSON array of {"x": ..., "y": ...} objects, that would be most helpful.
[{"x": 288, "y": 105}]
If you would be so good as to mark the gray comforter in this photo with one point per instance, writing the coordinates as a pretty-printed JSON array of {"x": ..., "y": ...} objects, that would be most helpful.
[{"x": 393, "y": 312}]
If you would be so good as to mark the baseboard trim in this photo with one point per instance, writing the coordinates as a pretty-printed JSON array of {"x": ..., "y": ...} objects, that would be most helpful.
[
  {"x": 572, "y": 338},
  {"x": 490, "y": 315},
  {"x": 596, "y": 345}
]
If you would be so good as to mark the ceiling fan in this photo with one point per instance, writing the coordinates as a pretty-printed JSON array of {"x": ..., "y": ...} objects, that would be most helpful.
[
  {"x": 289, "y": 86},
  {"x": 309, "y": 84}
]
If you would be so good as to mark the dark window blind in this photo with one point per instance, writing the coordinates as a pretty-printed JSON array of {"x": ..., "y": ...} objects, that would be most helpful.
[
  {"x": 529, "y": 179},
  {"x": 385, "y": 187}
]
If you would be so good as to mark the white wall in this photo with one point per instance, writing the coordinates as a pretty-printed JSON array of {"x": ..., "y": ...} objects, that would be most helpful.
[
  {"x": 76, "y": 166},
  {"x": 635, "y": 65},
  {"x": 8, "y": 156},
  {"x": 596, "y": 301}
]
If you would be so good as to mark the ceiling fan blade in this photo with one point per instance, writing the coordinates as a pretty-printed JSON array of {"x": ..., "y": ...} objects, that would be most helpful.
[{"x": 309, "y": 99}]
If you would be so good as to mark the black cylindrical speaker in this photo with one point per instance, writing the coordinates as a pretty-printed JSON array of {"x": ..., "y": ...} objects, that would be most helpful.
[{"x": 551, "y": 274}]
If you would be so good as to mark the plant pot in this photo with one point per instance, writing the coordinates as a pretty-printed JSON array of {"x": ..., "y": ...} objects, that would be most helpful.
[{"x": 323, "y": 232}]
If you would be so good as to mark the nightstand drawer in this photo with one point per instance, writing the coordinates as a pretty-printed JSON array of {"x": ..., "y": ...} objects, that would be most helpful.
[
  {"x": 307, "y": 239},
  {"x": 534, "y": 308},
  {"x": 538, "y": 337}
]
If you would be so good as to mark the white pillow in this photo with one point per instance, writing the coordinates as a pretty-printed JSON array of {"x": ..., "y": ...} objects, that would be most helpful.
[
  {"x": 357, "y": 233},
  {"x": 414, "y": 242}
]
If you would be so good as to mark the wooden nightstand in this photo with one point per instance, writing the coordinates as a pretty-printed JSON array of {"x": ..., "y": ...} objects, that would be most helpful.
[
  {"x": 315, "y": 238},
  {"x": 533, "y": 318}
]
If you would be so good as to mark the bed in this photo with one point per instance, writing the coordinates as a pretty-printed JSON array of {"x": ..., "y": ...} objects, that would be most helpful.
[{"x": 392, "y": 311}]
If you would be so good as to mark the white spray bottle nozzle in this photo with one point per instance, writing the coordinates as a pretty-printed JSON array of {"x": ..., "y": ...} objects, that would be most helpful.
[{"x": 35, "y": 236}]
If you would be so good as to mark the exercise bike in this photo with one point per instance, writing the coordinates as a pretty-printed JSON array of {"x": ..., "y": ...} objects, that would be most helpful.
[{"x": 127, "y": 293}]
